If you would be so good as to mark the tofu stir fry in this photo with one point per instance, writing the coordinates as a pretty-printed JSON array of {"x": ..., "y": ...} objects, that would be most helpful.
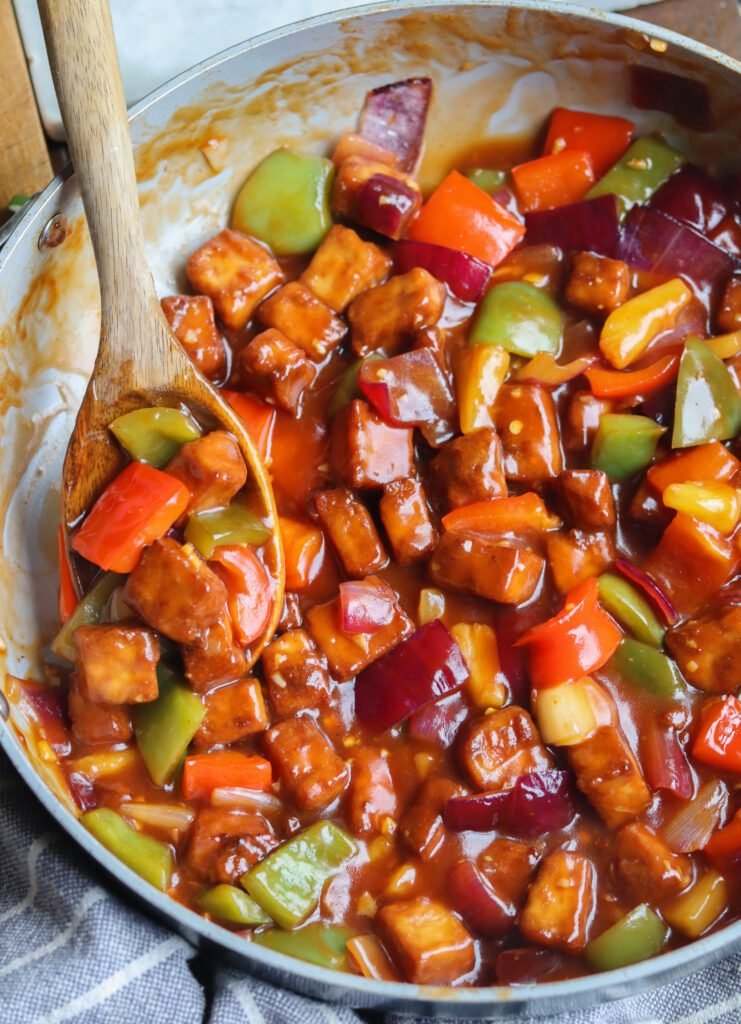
[{"x": 496, "y": 738}]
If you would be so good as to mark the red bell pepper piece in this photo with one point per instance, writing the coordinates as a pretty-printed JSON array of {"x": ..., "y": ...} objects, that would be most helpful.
[
  {"x": 518, "y": 513},
  {"x": 224, "y": 769},
  {"x": 556, "y": 180},
  {"x": 718, "y": 738},
  {"x": 67, "y": 593},
  {"x": 724, "y": 846},
  {"x": 257, "y": 416},
  {"x": 461, "y": 216},
  {"x": 604, "y": 138},
  {"x": 249, "y": 589},
  {"x": 137, "y": 508},
  {"x": 633, "y": 383},
  {"x": 574, "y": 643},
  {"x": 710, "y": 461},
  {"x": 303, "y": 544}
]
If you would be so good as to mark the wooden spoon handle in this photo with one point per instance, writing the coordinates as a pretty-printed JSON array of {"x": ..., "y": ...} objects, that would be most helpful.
[{"x": 84, "y": 64}]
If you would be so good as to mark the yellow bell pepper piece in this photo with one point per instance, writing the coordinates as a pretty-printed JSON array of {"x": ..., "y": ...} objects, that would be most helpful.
[
  {"x": 480, "y": 371},
  {"x": 629, "y": 329},
  {"x": 694, "y": 911},
  {"x": 725, "y": 346},
  {"x": 486, "y": 684},
  {"x": 717, "y": 504}
]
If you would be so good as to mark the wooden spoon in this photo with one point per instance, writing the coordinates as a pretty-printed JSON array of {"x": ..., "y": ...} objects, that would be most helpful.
[{"x": 139, "y": 363}]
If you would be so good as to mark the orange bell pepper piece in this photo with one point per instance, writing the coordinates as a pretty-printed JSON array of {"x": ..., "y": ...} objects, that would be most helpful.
[
  {"x": 480, "y": 371},
  {"x": 718, "y": 738},
  {"x": 725, "y": 346},
  {"x": 302, "y": 549},
  {"x": 258, "y": 418},
  {"x": 67, "y": 594},
  {"x": 543, "y": 369},
  {"x": 629, "y": 330},
  {"x": 249, "y": 589},
  {"x": 621, "y": 384},
  {"x": 711, "y": 461},
  {"x": 516, "y": 514},
  {"x": 555, "y": 180},
  {"x": 224, "y": 769},
  {"x": 604, "y": 138}
]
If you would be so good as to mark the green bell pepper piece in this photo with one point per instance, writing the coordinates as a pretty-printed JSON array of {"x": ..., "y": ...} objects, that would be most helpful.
[
  {"x": 154, "y": 435},
  {"x": 648, "y": 669},
  {"x": 347, "y": 387},
  {"x": 639, "y": 935},
  {"x": 639, "y": 172},
  {"x": 288, "y": 882},
  {"x": 148, "y": 857},
  {"x": 624, "y": 444},
  {"x": 623, "y": 601},
  {"x": 285, "y": 202},
  {"x": 320, "y": 944},
  {"x": 165, "y": 726},
  {"x": 88, "y": 612},
  {"x": 708, "y": 405},
  {"x": 488, "y": 180},
  {"x": 520, "y": 318},
  {"x": 231, "y": 525},
  {"x": 228, "y": 903}
]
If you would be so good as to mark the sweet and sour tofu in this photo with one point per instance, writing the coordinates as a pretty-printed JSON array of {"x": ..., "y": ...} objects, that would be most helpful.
[
  {"x": 576, "y": 556},
  {"x": 561, "y": 902},
  {"x": 422, "y": 824},
  {"x": 367, "y": 452},
  {"x": 708, "y": 650},
  {"x": 224, "y": 844},
  {"x": 212, "y": 468},
  {"x": 488, "y": 568},
  {"x": 219, "y": 660},
  {"x": 295, "y": 673},
  {"x": 277, "y": 370},
  {"x": 525, "y": 416},
  {"x": 117, "y": 664},
  {"x": 427, "y": 941},
  {"x": 650, "y": 869},
  {"x": 97, "y": 723},
  {"x": 587, "y": 497},
  {"x": 191, "y": 318},
  {"x": 501, "y": 747},
  {"x": 351, "y": 530},
  {"x": 306, "y": 763},
  {"x": 406, "y": 520},
  {"x": 470, "y": 469},
  {"x": 371, "y": 799},
  {"x": 597, "y": 284},
  {"x": 304, "y": 319},
  {"x": 390, "y": 315},
  {"x": 608, "y": 775},
  {"x": 233, "y": 712},
  {"x": 343, "y": 267}
]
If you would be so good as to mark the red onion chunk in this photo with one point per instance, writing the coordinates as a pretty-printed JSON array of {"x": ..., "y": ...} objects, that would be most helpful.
[
  {"x": 538, "y": 802},
  {"x": 366, "y": 606},
  {"x": 507, "y": 199},
  {"x": 692, "y": 197},
  {"x": 47, "y": 708},
  {"x": 692, "y": 826},
  {"x": 527, "y": 965},
  {"x": 424, "y": 667},
  {"x": 466, "y": 276},
  {"x": 394, "y": 117},
  {"x": 82, "y": 790},
  {"x": 665, "y": 761},
  {"x": 588, "y": 226},
  {"x": 510, "y": 624},
  {"x": 386, "y": 205},
  {"x": 481, "y": 813},
  {"x": 440, "y": 722},
  {"x": 686, "y": 99},
  {"x": 650, "y": 588},
  {"x": 475, "y": 900},
  {"x": 411, "y": 390}
]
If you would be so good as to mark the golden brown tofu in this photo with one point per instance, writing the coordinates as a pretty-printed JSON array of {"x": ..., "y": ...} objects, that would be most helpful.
[
  {"x": 277, "y": 369},
  {"x": 117, "y": 664},
  {"x": 436, "y": 339},
  {"x": 583, "y": 414},
  {"x": 371, "y": 799},
  {"x": 224, "y": 844},
  {"x": 597, "y": 284},
  {"x": 348, "y": 654},
  {"x": 588, "y": 498},
  {"x": 236, "y": 273},
  {"x": 352, "y": 531},
  {"x": 509, "y": 866},
  {"x": 525, "y": 416},
  {"x": 422, "y": 824},
  {"x": 367, "y": 452},
  {"x": 708, "y": 650},
  {"x": 292, "y": 616},
  {"x": 295, "y": 673},
  {"x": 650, "y": 869},
  {"x": 427, "y": 942},
  {"x": 561, "y": 902},
  {"x": 304, "y": 319},
  {"x": 575, "y": 556},
  {"x": 191, "y": 319},
  {"x": 212, "y": 468},
  {"x": 175, "y": 592},
  {"x": 489, "y": 568},
  {"x": 232, "y": 712},
  {"x": 97, "y": 723},
  {"x": 501, "y": 747},
  {"x": 305, "y": 762},
  {"x": 343, "y": 267},
  {"x": 220, "y": 660},
  {"x": 390, "y": 315},
  {"x": 470, "y": 469},
  {"x": 406, "y": 520},
  {"x": 729, "y": 313},
  {"x": 351, "y": 176},
  {"x": 608, "y": 775}
]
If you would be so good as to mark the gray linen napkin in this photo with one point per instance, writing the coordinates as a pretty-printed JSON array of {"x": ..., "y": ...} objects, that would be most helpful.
[{"x": 71, "y": 951}]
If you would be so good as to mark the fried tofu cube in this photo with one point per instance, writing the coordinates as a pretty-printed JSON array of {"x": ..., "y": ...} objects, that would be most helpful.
[
  {"x": 365, "y": 451},
  {"x": 220, "y": 660},
  {"x": 608, "y": 775},
  {"x": 212, "y": 468},
  {"x": 372, "y": 799},
  {"x": 304, "y": 319},
  {"x": 343, "y": 267},
  {"x": 575, "y": 556},
  {"x": 354, "y": 173},
  {"x": 305, "y": 762},
  {"x": 97, "y": 723},
  {"x": 277, "y": 369},
  {"x": 509, "y": 866},
  {"x": 175, "y": 592},
  {"x": 561, "y": 902},
  {"x": 708, "y": 650},
  {"x": 427, "y": 942},
  {"x": 470, "y": 469},
  {"x": 232, "y": 713},
  {"x": 488, "y": 568},
  {"x": 117, "y": 664},
  {"x": 583, "y": 414},
  {"x": 295, "y": 673},
  {"x": 352, "y": 531},
  {"x": 406, "y": 520},
  {"x": 292, "y": 616},
  {"x": 525, "y": 416},
  {"x": 588, "y": 498},
  {"x": 348, "y": 654},
  {"x": 225, "y": 844},
  {"x": 391, "y": 314},
  {"x": 597, "y": 284},
  {"x": 191, "y": 319},
  {"x": 422, "y": 825},
  {"x": 650, "y": 869},
  {"x": 236, "y": 273},
  {"x": 501, "y": 747},
  {"x": 729, "y": 313}
]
